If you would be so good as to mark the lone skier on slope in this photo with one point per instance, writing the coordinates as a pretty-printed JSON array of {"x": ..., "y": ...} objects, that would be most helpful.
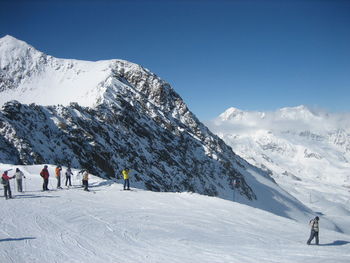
[
  {"x": 45, "y": 175},
  {"x": 125, "y": 173},
  {"x": 5, "y": 180},
  {"x": 314, "y": 230},
  {"x": 19, "y": 178}
]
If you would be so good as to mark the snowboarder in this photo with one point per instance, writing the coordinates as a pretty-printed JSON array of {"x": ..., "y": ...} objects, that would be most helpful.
[
  {"x": 5, "y": 180},
  {"x": 58, "y": 176},
  {"x": 19, "y": 176},
  {"x": 68, "y": 176},
  {"x": 86, "y": 180},
  {"x": 314, "y": 230},
  {"x": 45, "y": 175},
  {"x": 125, "y": 173}
]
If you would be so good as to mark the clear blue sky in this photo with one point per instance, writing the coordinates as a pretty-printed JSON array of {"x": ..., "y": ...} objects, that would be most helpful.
[{"x": 253, "y": 55}]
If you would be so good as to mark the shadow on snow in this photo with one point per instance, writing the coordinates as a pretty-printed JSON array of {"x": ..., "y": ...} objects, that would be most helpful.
[
  {"x": 16, "y": 239},
  {"x": 336, "y": 243},
  {"x": 34, "y": 196}
]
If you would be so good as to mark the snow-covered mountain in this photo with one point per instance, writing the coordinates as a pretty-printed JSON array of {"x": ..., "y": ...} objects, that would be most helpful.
[
  {"x": 107, "y": 225},
  {"x": 105, "y": 116},
  {"x": 108, "y": 115},
  {"x": 306, "y": 151}
]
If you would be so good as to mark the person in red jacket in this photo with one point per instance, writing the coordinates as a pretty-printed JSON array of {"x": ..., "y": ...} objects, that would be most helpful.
[
  {"x": 5, "y": 180},
  {"x": 45, "y": 175}
]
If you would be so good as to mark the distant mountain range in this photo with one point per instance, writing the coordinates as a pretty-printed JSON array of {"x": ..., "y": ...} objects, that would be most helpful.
[{"x": 296, "y": 142}]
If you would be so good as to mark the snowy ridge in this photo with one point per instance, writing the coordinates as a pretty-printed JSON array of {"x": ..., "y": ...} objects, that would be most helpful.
[
  {"x": 142, "y": 226},
  {"x": 307, "y": 152}
]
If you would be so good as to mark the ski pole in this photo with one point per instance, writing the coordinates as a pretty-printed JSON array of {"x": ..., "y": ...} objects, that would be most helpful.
[
  {"x": 50, "y": 184},
  {"x": 15, "y": 185},
  {"x": 25, "y": 184}
]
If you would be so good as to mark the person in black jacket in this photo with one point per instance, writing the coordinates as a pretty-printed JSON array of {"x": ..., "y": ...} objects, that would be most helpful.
[{"x": 68, "y": 177}]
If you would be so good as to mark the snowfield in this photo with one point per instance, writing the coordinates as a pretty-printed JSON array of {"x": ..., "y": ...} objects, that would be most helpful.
[{"x": 110, "y": 225}]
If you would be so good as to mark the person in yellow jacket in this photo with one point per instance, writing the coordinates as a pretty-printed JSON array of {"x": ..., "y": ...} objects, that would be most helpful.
[{"x": 125, "y": 173}]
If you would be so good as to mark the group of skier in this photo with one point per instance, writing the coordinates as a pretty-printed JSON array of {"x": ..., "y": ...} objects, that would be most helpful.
[
  {"x": 18, "y": 175},
  {"x": 69, "y": 174},
  {"x": 45, "y": 175},
  {"x": 5, "y": 179}
]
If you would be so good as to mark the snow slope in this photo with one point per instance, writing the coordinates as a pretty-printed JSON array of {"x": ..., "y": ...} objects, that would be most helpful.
[
  {"x": 142, "y": 226},
  {"x": 307, "y": 152}
]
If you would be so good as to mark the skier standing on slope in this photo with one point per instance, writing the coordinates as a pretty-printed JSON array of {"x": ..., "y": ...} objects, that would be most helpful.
[
  {"x": 19, "y": 177},
  {"x": 125, "y": 173},
  {"x": 68, "y": 176},
  {"x": 314, "y": 230},
  {"x": 58, "y": 176},
  {"x": 45, "y": 175},
  {"x": 86, "y": 180},
  {"x": 5, "y": 180}
]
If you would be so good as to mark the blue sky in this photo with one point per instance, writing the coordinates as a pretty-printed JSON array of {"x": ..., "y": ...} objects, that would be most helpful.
[{"x": 253, "y": 55}]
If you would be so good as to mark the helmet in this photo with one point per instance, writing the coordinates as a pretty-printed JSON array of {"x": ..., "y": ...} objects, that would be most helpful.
[
  {"x": 317, "y": 218},
  {"x": 45, "y": 166}
]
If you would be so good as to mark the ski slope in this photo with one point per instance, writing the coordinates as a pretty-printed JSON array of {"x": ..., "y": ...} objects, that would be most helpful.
[{"x": 110, "y": 225}]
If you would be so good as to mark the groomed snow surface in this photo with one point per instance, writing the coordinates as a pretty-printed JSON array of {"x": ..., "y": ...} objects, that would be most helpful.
[{"x": 110, "y": 225}]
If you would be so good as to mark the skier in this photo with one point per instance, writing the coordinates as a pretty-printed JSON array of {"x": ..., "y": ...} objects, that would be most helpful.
[
  {"x": 19, "y": 176},
  {"x": 314, "y": 230},
  {"x": 86, "y": 180},
  {"x": 68, "y": 176},
  {"x": 58, "y": 176},
  {"x": 5, "y": 180},
  {"x": 45, "y": 175},
  {"x": 125, "y": 173}
]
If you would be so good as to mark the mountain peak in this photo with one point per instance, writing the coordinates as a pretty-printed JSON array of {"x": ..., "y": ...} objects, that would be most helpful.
[
  {"x": 15, "y": 53},
  {"x": 10, "y": 42},
  {"x": 231, "y": 113},
  {"x": 8, "y": 38},
  {"x": 301, "y": 112}
]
